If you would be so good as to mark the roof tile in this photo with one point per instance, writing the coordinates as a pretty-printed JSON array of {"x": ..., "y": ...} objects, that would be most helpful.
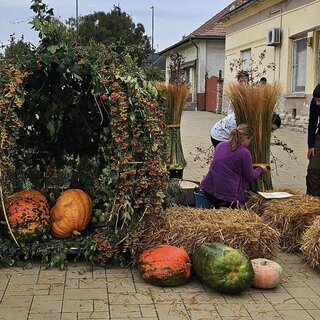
[{"x": 214, "y": 27}]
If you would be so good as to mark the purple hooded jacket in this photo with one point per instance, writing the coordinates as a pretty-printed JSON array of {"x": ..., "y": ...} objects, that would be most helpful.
[{"x": 229, "y": 173}]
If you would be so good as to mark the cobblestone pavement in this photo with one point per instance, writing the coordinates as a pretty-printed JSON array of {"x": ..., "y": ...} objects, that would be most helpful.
[{"x": 38, "y": 294}]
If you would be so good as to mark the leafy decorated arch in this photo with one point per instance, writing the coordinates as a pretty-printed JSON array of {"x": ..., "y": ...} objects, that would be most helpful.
[{"x": 89, "y": 120}]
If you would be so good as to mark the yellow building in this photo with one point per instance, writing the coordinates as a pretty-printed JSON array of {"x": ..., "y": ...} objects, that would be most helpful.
[{"x": 287, "y": 33}]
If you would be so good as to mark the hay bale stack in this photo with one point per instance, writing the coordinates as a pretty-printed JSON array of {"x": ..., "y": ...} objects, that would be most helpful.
[
  {"x": 188, "y": 227},
  {"x": 310, "y": 244},
  {"x": 291, "y": 217}
]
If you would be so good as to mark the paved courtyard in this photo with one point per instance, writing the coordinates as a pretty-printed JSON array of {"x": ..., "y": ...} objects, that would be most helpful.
[{"x": 115, "y": 293}]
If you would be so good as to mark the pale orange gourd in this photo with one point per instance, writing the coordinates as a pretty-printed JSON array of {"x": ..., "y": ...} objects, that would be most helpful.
[
  {"x": 267, "y": 273},
  {"x": 71, "y": 213}
]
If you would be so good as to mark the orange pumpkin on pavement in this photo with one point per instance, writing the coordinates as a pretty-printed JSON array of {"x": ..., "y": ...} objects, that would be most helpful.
[{"x": 165, "y": 266}]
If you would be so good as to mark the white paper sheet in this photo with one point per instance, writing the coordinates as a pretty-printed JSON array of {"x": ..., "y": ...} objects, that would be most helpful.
[{"x": 275, "y": 195}]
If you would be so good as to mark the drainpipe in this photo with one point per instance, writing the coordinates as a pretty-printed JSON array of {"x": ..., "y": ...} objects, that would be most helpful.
[
  {"x": 196, "y": 73},
  {"x": 279, "y": 72}
]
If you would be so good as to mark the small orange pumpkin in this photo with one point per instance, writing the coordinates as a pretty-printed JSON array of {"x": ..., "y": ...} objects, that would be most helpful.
[
  {"x": 267, "y": 273},
  {"x": 165, "y": 266},
  {"x": 71, "y": 213}
]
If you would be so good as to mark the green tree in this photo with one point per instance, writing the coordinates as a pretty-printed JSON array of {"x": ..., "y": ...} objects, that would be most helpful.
[
  {"x": 115, "y": 28},
  {"x": 17, "y": 48},
  {"x": 154, "y": 74}
]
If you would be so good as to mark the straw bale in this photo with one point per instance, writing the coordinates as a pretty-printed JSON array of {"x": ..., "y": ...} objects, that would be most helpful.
[
  {"x": 291, "y": 216},
  {"x": 310, "y": 244},
  {"x": 187, "y": 227},
  {"x": 256, "y": 201}
]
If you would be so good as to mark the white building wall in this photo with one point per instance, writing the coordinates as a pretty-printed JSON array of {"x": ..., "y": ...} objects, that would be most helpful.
[
  {"x": 202, "y": 66},
  {"x": 215, "y": 58},
  {"x": 202, "y": 57}
]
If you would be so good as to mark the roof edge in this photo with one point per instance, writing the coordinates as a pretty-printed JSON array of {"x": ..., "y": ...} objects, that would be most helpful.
[
  {"x": 238, "y": 9},
  {"x": 188, "y": 39}
]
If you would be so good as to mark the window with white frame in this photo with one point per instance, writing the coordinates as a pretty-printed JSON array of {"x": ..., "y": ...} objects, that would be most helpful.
[
  {"x": 299, "y": 65},
  {"x": 246, "y": 59}
]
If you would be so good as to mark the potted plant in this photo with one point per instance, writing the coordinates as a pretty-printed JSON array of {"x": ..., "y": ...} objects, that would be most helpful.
[{"x": 175, "y": 171}]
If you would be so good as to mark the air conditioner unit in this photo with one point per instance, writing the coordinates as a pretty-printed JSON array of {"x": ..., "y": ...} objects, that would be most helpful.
[{"x": 273, "y": 37}]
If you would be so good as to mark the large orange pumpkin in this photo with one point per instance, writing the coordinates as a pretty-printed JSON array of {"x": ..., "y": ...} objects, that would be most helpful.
[
  {"x": 71, "y": 213},
  {"x": 30, "y": 193},
  {"x": 165, "y": 266},
  {"x": 267, "y": 273},
  {"x": 28, "y": 217}
]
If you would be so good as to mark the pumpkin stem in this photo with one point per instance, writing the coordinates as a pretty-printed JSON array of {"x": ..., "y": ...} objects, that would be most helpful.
[
  {"x": 76, "y": 233},
  {"x": 6, "y": 217}
]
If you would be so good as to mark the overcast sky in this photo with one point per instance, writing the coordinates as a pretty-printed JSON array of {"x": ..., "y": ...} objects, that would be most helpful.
[{"x": 172, "y": 18}]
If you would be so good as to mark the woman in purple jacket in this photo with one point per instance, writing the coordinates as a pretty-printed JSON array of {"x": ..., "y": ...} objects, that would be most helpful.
[{"x": 231, "y": 170}]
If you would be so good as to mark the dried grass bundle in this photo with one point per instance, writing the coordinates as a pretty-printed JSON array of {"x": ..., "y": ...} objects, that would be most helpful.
[
  {"x": 188, "y": 227},
  {"x": 291, "y": 217},
  {"x": 175, "y": 96},
  {"x": 310, "y": 244},
  {"x": 254, "y": 105}
]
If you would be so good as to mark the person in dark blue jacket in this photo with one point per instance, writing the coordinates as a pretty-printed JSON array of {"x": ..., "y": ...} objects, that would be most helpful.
[{"x": 313, "y": 172}]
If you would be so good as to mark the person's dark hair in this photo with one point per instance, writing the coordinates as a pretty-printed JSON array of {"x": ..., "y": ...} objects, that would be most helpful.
[
  {"x": 316, "y": 91},
  {"x": 276, "y": 120},
  {"x": 237, "y": 134},
  {"x": 242, "y": 74},
  {"x": 263, "y": 80}
]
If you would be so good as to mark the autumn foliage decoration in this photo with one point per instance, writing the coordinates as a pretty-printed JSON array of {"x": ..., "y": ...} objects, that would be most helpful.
[
  {"x": 91, "y": 116},
  {"x": 137, "y": 166},
  {"x": 11, "y": 99}
]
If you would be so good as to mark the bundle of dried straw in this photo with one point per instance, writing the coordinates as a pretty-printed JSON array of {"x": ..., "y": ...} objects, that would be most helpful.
[
  {"x": 254, "y": 105},
  {"x": 310, "y": 244},
  {"x": 291, "y": 217},
  {"x": 188, "y": 227},
  {"x": 176, "y": 95}
]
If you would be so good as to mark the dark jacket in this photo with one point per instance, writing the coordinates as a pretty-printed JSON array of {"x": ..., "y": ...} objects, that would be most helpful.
[{"x": 314, "y": 123}]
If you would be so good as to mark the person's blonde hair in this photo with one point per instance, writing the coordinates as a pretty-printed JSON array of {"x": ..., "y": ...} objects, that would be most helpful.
[{"x": 237, "y": 134}]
